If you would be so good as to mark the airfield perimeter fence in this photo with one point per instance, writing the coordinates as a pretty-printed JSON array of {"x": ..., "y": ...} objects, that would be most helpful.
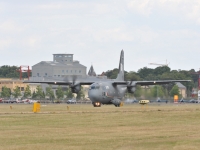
[
  {"x": 45, "y": 102},
  {"x": 64, "y": 101}
]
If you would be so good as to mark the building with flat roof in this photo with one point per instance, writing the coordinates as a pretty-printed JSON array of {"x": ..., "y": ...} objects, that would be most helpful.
[
  {"x": 13, "y": 83},
  {"x": 61, "y": 66}
]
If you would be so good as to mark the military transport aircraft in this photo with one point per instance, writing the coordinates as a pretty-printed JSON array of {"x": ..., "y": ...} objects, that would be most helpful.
[{"x": 104, "y": 91}]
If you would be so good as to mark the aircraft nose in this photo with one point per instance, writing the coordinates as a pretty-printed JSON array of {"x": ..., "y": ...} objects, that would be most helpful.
[{"x": 92, "y": 95}]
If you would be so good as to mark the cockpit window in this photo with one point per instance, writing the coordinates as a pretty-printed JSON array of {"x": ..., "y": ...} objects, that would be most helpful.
[{"x": 94, "y": 86}]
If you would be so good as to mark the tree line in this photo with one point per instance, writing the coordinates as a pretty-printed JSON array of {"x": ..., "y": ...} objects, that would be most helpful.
[
  {"x": 11, "y": 72},
  {"x": 159, "y": 73},
  {"x": 40, "y": 94}
]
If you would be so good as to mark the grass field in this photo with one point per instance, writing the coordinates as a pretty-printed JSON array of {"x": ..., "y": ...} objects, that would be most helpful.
[{"x": 83, "y": 127}]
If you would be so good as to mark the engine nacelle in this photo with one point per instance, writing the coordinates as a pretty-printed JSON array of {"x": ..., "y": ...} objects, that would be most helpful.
[
  {"x": 131, "y": 89},
  {"x": 76, "y": 88}
]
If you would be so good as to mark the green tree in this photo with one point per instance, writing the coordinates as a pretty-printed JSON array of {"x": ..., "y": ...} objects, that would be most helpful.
[
  {"x": 138, "y": 91},
  {"x": 43, "y": 94},
  {"x": 69, "y": 93},
  {"x": 34, "y": 95},
  {"x": 50, "y": 93},
  {"x": 27, "y": 92},
  {"x": 16, "y": 92},
  {"x": 80, "y": 94},
  {"x": 6, "y": 92},
  {"x": 174, "y": 91},
  {"x": 144, "y": 72},
  {"x": 131, "y": 76},
  {"x": 160, "y": 70},
  {"x": 112, "y": 74},
  {"x": 157, "y": 91},
  {"x": 10, "y": 72},
  {"x": 39, "y": 92},
  {"x": 59, "y": 92}
]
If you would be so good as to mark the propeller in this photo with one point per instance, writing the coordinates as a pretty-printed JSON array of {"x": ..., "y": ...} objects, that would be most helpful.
[
  {"x": 75, "y": 87},
  {"x": 130, "y": 87},
  {"x": 129, "y": 84}
]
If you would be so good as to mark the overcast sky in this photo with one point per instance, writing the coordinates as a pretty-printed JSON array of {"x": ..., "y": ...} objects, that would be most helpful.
[{"x": 96, "y": 31}]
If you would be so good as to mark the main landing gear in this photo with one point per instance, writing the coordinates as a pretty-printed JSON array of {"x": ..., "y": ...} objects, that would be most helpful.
[
  {"x": 96, "y": 104},
  {"x": 119, "y": 105}
]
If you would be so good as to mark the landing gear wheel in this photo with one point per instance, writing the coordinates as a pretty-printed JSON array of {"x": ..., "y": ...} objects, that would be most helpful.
[{"x": 97, "y": 104}]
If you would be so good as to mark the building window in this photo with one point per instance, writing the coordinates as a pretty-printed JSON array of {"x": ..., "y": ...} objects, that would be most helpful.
[
  {"x": 58, "y": 75},
  {"x": 45, "y": 74},
  {"x": 71, "y": 71},
  {"x": 79, "y": 71},
  {"x": 54, "y": 75},
  {"x": 63, "y": 71},
  {"x": 67, "y": 71},
  {"x": 75, "y": 71},
  {"x": 22, "y": 88},
  {"x": 38, "y": 74}
]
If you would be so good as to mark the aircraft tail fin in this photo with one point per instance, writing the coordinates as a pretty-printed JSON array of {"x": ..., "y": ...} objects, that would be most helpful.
[{"x": 120, "y": 76}]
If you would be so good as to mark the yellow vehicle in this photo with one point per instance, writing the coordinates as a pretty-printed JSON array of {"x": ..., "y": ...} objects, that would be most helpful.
[{"x": 143, "y": 102}]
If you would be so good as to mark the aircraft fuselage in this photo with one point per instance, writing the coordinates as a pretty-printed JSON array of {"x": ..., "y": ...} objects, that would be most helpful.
[{"x": 105, "y": 92}]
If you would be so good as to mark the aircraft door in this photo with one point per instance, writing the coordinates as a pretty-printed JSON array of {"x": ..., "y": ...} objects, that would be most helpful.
[{"x": 104, "y": 92}]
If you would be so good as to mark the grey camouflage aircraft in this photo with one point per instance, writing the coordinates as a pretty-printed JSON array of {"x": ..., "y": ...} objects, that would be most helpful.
[{"x": 105, "y": 91}]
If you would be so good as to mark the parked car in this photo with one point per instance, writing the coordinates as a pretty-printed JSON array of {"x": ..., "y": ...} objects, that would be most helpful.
[
  {"x": 193, "y": 101},
  {"x": 71, "y": 101},
  {"x": 128, "y": 101}
]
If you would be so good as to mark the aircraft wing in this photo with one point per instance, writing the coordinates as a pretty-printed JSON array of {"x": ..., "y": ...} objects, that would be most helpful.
[
  {"x": 119, "y": 83},
  {"x": 56, "y": 82},
  {"x": 67, "y": 81},
  {"x": 142, "y": 83},
  {"x": 158, "y": 82}
]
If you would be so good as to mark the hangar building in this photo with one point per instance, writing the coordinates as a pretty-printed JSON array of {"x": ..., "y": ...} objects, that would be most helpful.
[{"x": 61, "y": 66}]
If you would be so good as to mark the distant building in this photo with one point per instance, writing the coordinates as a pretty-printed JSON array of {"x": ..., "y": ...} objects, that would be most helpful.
[
  {"x": 182, "y": 89},
  {"x": 13, "y": 83},
  {"x": 61, "y": 66},
  {"x": 91, "y": 72}
]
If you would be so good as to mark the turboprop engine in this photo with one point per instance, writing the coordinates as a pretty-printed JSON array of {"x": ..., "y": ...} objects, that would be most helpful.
[
  {"x": 75, "y": 88},
  {"x": 131, "y": 89}
]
